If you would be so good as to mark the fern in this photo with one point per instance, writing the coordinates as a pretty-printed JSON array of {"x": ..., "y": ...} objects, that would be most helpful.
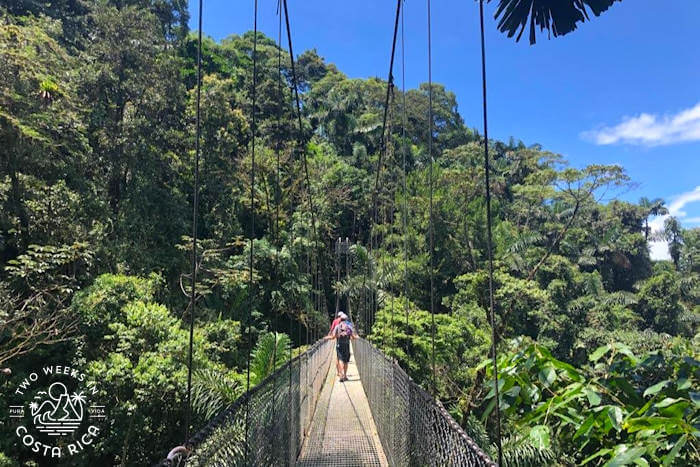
[
  {"x": 517, "y": 450},
  {"x": 224, "y": 447},
  {"x": 620, "y": 298},
  {"x": 525, "y": 241},
  {"x": 212, "y": 391},
  {"x": 521, "y": 452},
  {"x": 269, "y": 354}
]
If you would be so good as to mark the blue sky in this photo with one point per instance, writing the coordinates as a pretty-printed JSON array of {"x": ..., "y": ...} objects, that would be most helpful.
[{"x": 623, "y": 88}]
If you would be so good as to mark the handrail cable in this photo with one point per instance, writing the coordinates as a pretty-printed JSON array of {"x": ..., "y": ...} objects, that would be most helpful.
[
  {"x": 251, "y": 299},
  {"x": 195, "y": 203},
  {"x": 489, "y": 241},
  {"x": 431, "y": 226}
]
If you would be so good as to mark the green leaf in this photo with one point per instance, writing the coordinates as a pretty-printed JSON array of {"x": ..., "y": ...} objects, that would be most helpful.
[
  {"x": 593, "y": 396},
  {"x": 615, "y": 416},
  {"x": 492, "y": 392},
  {"x": 675, "y": 410},
  {"x": 598, "y": 454},
  {"x": 683, "y": 384},
  {"x": 547, "y": 375},
  {"x": 652, "y": 390},
  {"x": 666, "y": 402},
  {"x": 585, "y": 427},
  {"x": 512, "y": 392},
  {"x": 668, "y": 458},
  {"x": 599, "y": 352},
  {"x": 624, "y": 455},
  {"x": 695, "y": 397},
  {"x": 539, "y": 436}
]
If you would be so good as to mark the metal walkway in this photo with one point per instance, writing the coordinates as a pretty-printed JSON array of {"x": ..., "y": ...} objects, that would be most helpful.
[
  {"x": 302, "y": 416},
  {"x": 343, "y": 432}
]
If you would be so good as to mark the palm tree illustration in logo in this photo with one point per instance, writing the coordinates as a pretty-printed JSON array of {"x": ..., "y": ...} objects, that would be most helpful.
[{"x": 61, "y": 413}]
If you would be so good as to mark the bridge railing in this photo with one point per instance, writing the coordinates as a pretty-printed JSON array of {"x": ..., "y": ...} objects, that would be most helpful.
[
  {"x": 279, "y": 411},
  {"x": 414, "y": 429}
]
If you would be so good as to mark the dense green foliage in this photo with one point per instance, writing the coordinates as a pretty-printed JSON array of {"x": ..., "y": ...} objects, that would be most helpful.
[{"x": 97, "y": 106}]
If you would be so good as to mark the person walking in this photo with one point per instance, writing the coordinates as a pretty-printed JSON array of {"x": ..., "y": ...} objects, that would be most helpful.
[
  {"x": 336, "y": 321},
  {"x": 342, "y": 333}
]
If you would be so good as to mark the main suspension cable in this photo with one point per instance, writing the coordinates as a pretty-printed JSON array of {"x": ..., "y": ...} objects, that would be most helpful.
[
  {"x": 431, "y": 226},
  {"x": 251, "y": 298},
  {"x": 489, "y": 241},
  {"x": 195, "y": 203}
]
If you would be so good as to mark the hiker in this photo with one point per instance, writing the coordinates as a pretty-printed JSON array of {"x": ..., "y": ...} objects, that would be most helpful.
[
  {"x": 338, "y": 366},
  {"x": 335, "y": 322},
  {"x": 342, "y": 333}
]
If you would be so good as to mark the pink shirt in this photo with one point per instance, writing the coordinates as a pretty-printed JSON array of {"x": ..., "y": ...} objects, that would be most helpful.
[{"x": 334, "y": 324}]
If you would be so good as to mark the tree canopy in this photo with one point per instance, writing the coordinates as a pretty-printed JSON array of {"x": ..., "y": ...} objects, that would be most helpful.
[{"x": 598, "y": 343}]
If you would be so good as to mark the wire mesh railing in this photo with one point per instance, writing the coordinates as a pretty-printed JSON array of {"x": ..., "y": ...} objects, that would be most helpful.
[
  {"x": 279, "y": 412},
  {"x": 414, "y": 429}
]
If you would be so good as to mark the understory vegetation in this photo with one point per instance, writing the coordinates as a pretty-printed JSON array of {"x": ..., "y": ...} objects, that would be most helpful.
[{"x": 598, "y": 345}]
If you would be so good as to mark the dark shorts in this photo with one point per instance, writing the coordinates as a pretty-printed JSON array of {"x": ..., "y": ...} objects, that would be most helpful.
[{"x": 343, "y": 351}]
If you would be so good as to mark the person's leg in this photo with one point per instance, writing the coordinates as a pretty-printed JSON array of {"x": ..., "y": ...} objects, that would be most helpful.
[
  {"x": 345, "y": 357},
  {"x": 338, "y": 362}
]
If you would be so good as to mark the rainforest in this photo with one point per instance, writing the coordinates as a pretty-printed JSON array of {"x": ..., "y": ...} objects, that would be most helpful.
[{"x": 597, "y": 344}]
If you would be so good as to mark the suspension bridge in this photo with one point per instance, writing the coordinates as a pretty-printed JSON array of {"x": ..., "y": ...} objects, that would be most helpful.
[{"x": 301, "y": 414}]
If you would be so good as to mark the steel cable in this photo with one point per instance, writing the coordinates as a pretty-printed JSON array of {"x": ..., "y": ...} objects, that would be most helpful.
[
  {"x": 195, "y": 206},
  {"x": 431, "y": 222},
  {"x": 489, "y": 240}
]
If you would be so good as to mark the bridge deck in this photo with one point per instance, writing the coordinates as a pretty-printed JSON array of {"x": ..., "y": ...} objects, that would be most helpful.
[{"x": 342, "y": 432}]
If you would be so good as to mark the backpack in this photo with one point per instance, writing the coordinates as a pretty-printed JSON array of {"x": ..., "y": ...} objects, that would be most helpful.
[{"x": 344, "y": 330}]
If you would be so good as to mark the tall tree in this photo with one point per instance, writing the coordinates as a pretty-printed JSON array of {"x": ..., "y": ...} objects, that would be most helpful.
[
  {"x": 673, "y": 234},
  {"x": 653, "y": 207}
]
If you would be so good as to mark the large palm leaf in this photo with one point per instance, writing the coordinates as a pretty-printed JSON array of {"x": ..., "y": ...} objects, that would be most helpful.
[
  {"x": 269, "y": 354},
  {"x": 559, "y": 17}
]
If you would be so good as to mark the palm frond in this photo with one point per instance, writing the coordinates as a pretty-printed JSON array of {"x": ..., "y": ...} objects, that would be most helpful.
[
  {"x": 268, "y": 355},
  {"x": 521, "y": 452},
  {"x": 558, "y": 17},
  {"x": 212, "y": 391},
  {"x": 525, "y": 241},
  {"x": 621, "y": 297}
]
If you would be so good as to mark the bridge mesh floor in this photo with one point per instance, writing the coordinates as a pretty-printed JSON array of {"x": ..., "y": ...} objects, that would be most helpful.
[{"x": 342, "y": 432}]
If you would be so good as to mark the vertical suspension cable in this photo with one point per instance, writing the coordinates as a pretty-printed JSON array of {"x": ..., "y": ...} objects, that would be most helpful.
[
  {"x": 383, "y": 140},
  {"x": 280, "y": 94},
  {"x": 489, "y": 241},
  {"x": 188, "y": 417},
  {"x": 405, "y": 192},
  {"x": 301, "y": 143},
  {"x": 251, "y": 300},
  {"x": 277, "y": 199},
  {"x": 431, "y": 227}
]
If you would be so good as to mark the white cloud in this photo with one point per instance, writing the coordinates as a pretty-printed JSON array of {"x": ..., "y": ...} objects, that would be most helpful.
[
  {"x": 651, "y": 129},
  {"x": 659, "y": 250}
]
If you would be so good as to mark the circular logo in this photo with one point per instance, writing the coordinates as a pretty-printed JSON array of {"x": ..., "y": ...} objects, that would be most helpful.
[{"x": 60, "y": 415}]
